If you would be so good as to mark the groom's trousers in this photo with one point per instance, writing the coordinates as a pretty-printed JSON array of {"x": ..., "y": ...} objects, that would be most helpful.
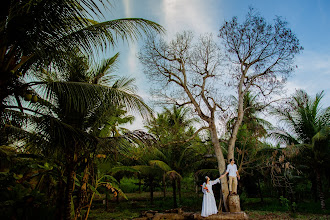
[{"x": 233, "y": 184}]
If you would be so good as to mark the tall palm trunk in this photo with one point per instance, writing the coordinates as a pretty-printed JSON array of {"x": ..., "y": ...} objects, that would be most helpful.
[
  {"x": 179, "y": 190},
  {"x": 82, "y": 196},
  {"x": 151, "y": 186},
  {"x": 260, "y": 192},
  {"x": 140, "y": 183},
  {"x": 175, "y": 203},
  {"x": 314, "y": 188},
  {"x": 319, "y": 188},
  {"x": 164, "y": 184},
  {"x": 70, "y": 172},
  {"x": 60, "y": 199},
  {"x": 68, "y": 193}
]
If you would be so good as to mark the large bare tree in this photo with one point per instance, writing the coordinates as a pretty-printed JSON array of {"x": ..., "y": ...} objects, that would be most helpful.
[
  {"x": 187, "y": 71},
  {"x": 262, "y": 58}
]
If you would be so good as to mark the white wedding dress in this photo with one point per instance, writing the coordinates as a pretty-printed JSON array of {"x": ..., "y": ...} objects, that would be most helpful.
[{"x": 209, "y": 206}]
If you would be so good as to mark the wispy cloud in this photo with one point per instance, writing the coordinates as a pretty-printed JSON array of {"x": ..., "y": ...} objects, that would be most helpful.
[
  {"x": 314, "y": 62},
  {"x": 194, "y": 15},
  {"x": 312, "y": 75},
  {"x": 127, "y": 7},
  {"x": 131, "y": 60},
  {"x": 313, "y": 70}
]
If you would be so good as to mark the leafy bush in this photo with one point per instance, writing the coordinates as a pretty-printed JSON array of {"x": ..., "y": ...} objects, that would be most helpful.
[
  {"x": 284, "y": 203},
  {"x": 18, "y": 201},
  {"x": 129, "y": 185}
]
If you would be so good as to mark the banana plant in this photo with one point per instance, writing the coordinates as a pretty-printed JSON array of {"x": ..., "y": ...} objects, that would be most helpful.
[{"x": 107, "y": 181}]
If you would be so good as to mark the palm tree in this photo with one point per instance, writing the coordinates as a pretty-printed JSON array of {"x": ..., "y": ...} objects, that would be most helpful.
[
  {"x": 77, "y": 110},
  {"x": 175, "y": 157},
  {"x": 39, "y": 33},
  {"x": 149, "y": 168},
  {"x": 252, "y": 130},
  {"x": 306, "y": 129}
]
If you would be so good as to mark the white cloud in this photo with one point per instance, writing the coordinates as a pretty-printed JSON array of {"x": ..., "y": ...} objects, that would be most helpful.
[
  {"x": 312, "y": 75},
  {"x": 131, "y": 60},
  {"x": 197, "y": 16},
  {"x": 127, "y": 7},
  {"x": 138, "y": 123},
  {"x": 291, "y": 87},
  {"x": 314, "y": 63}
]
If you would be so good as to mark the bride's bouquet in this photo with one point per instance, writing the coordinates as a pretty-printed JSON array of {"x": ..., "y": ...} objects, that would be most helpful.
[{"x": 205, "y": 187}]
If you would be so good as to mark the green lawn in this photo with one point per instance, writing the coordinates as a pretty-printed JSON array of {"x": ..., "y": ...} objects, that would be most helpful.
[{"x": 136, "y": 203}]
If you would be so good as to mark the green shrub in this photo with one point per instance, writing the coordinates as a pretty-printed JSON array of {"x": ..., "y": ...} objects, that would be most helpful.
[
  {"x": 129, "y": 185},
  {"x": 284, "y": 203}
]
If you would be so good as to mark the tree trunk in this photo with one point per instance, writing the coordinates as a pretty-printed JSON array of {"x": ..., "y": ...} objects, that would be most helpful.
[
  {"x": 314, "y": 188},
  {"x": 164, "y": 185},
  {"x": 151, "y": 186},
  {"x": 89, "y": 206},
  {"x": 107, "y": 200},
  {"x": 175, "y": 204},
  {"x": 221, "y": 164},
  {"x": 237, "y": 124},
  {"x": 179, "y": 190},
  {"x": 82, "y": 196},
  {"x": 234, "y": 203},
  {"x": 60, "y": 199},
  {"x": 117, "y": 196},
  {"x": 260, "y": 193},
  {"x": 68, "y": 193},
  {"x": 319, "y": 189}
]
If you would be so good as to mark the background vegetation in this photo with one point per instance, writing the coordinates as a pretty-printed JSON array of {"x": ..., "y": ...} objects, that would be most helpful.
[{"x": 65, "y": 155}]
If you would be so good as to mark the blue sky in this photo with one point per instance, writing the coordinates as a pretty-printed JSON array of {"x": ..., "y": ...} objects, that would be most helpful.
[{"x": 308, "y": 19}]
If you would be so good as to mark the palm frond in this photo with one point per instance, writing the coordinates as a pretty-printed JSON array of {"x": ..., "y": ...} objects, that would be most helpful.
[
  {"x": 147, "y": 170},
  {"x": 160, "y": 164},
  {"x": 115, "y": 170},
  {"x": 283, "y": 136},
  {"x": 81, "y": 95},
  {"x": 173, "y": 175},
  {"x": 321, "y": 142},
  {"x": 100, "y": 75},
  {"x": 108, "y": 33}
]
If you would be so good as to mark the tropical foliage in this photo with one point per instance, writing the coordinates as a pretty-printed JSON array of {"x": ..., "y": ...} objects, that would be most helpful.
[
  {"x": 35, "y": 34},
  {"x": 306, "y": 131},
  {"x": 174, "y": 154},
  {"x": 63, "y": 145}
]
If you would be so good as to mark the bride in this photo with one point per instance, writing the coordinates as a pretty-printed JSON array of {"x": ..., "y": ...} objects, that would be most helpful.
[{"x": 209, "y": 206}]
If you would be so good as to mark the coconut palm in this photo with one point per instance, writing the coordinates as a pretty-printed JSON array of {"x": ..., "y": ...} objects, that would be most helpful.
[
  {"x": 175, "y": 157},
  {"x": 306, "y": 130},
  {"x": 36, "y": 33},
  {"x": 252, "y": 130},
  {"x": 76, "y": 115},
  {"x": 149, "y": 168}
]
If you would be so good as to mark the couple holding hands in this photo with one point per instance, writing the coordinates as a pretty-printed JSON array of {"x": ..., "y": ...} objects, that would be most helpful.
[{"x": 209, "y": 206}]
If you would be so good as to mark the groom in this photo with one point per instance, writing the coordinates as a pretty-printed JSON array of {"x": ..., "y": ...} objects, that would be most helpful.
[{"x": 233, "y": 174}]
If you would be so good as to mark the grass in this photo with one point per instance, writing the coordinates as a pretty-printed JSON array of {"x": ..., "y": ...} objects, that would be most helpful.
[
  {"x": 273, "y": 204},
  {"x": 270, "y": 209},
  {"x": 136, "y": 203},
  {"x": 284, "y": 215}
]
